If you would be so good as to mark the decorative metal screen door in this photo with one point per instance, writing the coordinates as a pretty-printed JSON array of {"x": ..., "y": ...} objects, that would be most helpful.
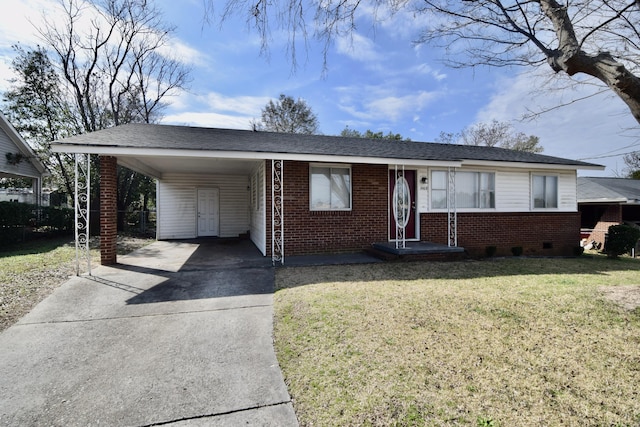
[{"x": 402, "y": 203}]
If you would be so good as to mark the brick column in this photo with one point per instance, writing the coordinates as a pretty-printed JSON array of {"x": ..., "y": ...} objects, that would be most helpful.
[{"x": 108, "y": 210}]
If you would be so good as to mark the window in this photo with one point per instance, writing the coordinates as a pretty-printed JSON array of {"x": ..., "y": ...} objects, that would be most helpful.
[
  {"x": 438, "y": 189},
  {"x": 545, "y": 191},
  {"x": 474, "y": 190},
  {"x": 330, "y": 188}
]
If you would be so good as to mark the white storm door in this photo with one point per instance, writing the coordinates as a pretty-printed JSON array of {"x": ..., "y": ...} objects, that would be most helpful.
[{"x": 208, "y": 211}]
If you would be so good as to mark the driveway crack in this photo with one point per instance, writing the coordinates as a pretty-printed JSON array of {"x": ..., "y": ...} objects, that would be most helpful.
[{"x": 217, "y": 414}]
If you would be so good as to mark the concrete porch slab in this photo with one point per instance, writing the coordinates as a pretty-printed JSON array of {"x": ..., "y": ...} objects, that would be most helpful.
[{"x": 417, "y": 248}]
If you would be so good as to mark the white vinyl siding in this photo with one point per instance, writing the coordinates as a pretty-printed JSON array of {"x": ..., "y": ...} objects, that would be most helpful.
[
  {"x": 23, "y": 168},
  {"x": 512, "y": 189},
  {"x": 177, "y": 204},
  {"x": 257, "y": 216}
]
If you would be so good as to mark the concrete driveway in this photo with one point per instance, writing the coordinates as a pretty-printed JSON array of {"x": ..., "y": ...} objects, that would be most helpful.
[{"x": 179, "y": 334}]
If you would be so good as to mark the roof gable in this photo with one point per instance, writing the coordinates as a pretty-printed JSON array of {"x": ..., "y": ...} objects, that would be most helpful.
[{"x": 17, "y": 145}]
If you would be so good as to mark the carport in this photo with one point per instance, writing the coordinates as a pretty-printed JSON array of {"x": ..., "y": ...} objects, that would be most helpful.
[{"x": 201, "y": 192}]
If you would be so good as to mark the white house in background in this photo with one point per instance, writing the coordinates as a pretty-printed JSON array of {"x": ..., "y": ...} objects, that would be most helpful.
[{"x": 17, "y": 160}]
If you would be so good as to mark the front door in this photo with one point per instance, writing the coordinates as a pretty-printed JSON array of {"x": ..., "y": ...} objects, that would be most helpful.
[
  {"x": 208, "y": 211},
  {"x": 402, "y": 203}
]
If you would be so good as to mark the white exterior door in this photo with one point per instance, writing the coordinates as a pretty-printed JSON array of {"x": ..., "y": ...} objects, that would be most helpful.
[{"x": 208, "y": 211}]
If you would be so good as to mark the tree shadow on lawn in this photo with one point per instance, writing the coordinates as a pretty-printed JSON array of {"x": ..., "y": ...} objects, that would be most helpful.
[
  {"x": 37, "y": 246},
  {"x": 590, "y": 265}
]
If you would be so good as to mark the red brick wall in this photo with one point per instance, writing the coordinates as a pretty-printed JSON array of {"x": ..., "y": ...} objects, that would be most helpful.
[
  {"x": 476, "y": 231},
  {"x": 611, "y": 216},
  {"x": 108, "y": 210},
  {"x": 308, "y": 232}
]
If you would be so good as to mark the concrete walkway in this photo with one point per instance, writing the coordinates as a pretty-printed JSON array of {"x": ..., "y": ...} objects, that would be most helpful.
[{"x": 177, "y": 334}]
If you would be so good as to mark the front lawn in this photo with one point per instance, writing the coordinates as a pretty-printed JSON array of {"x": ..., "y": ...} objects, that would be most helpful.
[
  {"x": 511, "y": 342},
  {"x": 30, "y": 271}
]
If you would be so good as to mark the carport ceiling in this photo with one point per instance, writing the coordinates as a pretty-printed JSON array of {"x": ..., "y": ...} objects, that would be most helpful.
[{"x": 157, "y": 166}]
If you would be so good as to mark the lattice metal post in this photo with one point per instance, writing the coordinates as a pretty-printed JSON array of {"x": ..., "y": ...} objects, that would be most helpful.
[
  {"x": 277, "y": 212},
  {"x": 82, "y": 209},
  {"x": 399, "y": 207},
  {"x": 452, "y": 214}
]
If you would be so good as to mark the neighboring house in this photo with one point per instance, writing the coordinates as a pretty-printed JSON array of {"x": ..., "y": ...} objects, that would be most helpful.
[
  {"x": 604, "y": 202},
  {"x": 17, "y": 160},
  {"x": 304, "y": 194}
]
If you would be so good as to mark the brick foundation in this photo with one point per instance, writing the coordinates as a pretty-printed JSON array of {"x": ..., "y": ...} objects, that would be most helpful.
[
  {"x": 538, "y": 233},
  {"x": 108, "y": 210}
]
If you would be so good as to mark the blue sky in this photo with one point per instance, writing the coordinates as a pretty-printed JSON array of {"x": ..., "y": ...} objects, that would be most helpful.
[{"x": 377, "y": 79}]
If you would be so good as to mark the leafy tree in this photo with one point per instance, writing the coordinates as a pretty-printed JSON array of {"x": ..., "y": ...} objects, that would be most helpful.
[
  {"x": 353, "y": 133},
  {"x": 596, "y": 38},
  {"x": 36, "y": 106},
  {"x": 287, "y": 115},
  {"x": 494, "y": 134}
]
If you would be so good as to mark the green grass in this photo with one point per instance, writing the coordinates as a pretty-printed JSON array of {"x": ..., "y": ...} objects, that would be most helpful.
[
  {"x": 29, "y": 272},
  {"x": 511, "y": 342}
]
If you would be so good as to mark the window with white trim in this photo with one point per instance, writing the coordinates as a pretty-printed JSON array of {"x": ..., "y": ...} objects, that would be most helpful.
[
  {"x": 330, "y": 188},
  {"x": 438, "y": 189},
  {"x": 474, "y": 190},
  {"x": 544, "y": 191}
]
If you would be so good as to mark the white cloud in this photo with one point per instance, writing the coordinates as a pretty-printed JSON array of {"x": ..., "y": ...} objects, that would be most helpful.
[
  {"x": 215, "y": 120},
  {"x": 382, "y": 104},
  {"x": 17, "y": 21},
  {"x": 589, "y": 128},
  {"x": 426, "y": 69},
  {"x": 357, "y": 47},
  {"x": 247, "y": 105},
  {"x": 180, "y": 51},
  {"x": 215, "y": 110}
]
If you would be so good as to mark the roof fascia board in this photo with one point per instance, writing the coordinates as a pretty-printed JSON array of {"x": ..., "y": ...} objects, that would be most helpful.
[
  {"x": 620, "y": 201},
  {"x": 526, "y": 165},
  {"x": 245, "y": 155},
  {"x": 7, "y": 173}
]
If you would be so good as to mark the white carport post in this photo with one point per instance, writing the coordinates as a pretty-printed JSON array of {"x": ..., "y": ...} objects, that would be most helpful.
[
  {"x": 81, "y": 204},
  {"x": 277, "y": 212}
]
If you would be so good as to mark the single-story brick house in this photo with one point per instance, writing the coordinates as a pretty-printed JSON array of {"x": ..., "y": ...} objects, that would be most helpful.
[
  {"x": 305, "y": 194},
  {"x": 17, "y": 159},
  {"x": 605, "y": 201}
]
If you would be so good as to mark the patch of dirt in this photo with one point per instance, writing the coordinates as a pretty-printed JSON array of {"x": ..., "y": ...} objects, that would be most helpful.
[{"x": 627, "y": 296}]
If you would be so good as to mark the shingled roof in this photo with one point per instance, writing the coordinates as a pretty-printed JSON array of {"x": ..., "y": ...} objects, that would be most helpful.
[
  {"x": 153, "y": 136},
  {"x": 608, "y": 190}
]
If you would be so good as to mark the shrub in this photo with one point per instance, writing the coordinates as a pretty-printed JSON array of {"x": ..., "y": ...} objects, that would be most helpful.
[
  {"x": 15, "y": 218},
  {"x": 516, "y": 250},
  {"x": 621, "y": 239}
]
